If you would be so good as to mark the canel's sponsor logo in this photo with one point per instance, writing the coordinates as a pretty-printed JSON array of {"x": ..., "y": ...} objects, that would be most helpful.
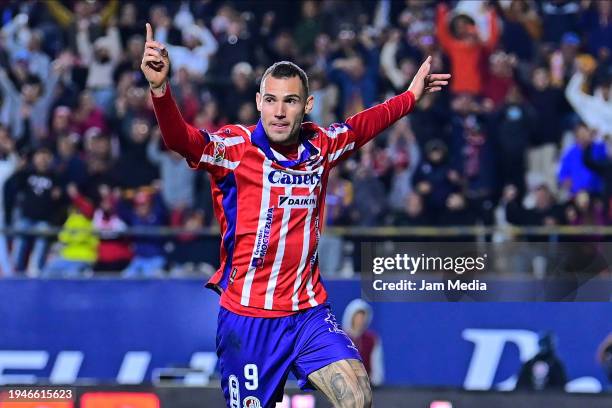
[
  {"x": 297, "y": 201},
  {"x": 296, "y": 180},
  {"x": 263, "y": 240}
]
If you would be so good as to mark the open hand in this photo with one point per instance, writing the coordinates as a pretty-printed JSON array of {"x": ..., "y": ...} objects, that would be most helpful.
[{"x": 424, "y": 82}]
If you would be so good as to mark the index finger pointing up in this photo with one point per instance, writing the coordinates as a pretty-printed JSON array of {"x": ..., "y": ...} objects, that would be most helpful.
[{"x": 149, "y": 32}]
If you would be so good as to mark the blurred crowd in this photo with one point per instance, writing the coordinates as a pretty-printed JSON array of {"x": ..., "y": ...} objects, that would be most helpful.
[{"x": 521, "y": 136}]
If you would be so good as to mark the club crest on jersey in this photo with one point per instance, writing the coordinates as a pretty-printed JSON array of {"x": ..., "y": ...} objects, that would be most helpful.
[
  {"x": 337, "y": 128},
  {"x": 251, "y": 402},
  {"x": 296, "y": 180},
  {"x": 297, "y": 201},
  {"x": 219, "y": 152}
]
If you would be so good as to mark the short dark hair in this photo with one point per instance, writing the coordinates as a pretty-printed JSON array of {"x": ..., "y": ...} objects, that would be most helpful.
[{"x": 287, "y": 69}]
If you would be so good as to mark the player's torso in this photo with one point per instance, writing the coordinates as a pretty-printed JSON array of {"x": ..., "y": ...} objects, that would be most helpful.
[{"x": 274, "y": 263}]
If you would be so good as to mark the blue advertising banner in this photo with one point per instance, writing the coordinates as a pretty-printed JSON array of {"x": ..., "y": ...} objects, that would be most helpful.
[{"x": 66, "y": 331}]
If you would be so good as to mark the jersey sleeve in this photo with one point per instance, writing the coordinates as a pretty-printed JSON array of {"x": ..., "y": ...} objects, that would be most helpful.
[
  {"x": 222, "y": 151},
  {"x": 218, "y": 153},
  {"x": 345, "y": 138}
]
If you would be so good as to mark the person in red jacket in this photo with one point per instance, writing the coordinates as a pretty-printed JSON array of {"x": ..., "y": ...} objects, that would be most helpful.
[{"x": 465, "y": 49}]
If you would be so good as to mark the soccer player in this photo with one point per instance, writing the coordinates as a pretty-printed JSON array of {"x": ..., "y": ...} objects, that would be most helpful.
[{"x": 269, "y": 183}]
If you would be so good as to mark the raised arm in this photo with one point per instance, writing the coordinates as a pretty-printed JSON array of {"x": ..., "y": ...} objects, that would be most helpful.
[
  {"x": 446, "y": 39},
  {"x": 370, "y": 122},
  {"x": 178, "y": 135},
  {"x": 491, "y": 42}
]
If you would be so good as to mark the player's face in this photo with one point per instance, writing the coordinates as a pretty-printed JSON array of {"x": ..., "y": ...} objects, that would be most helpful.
[{"x": 282, "y": 103}]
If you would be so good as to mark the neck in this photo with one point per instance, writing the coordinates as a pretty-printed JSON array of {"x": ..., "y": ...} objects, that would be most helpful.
[{"x": 287, "y": 143}]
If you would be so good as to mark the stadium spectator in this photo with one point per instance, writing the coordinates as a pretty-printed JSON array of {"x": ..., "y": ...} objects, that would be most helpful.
[
  {"x": 465, "y": 48},
  {"x": 38, "y": 196},
  {"x": 435, "y": 179},
  {"x": 69, "y": 166},
  {"x": 368, "y": 208},
  {"x": 548, "y": 104},
  {"x": 602, "y": 167},
  {"x": 596, "y": 23},
  {"x": 604, "y": 356},
  {"x": 326, "y": 95},
  {"x": 474, "y": 155},
  {"x": 194, "y": 52},
  {"x": 25, "y": 110},
  {"x": 412, "y": 214},
  {"x": 339, "y": 200},
  {"x": 500, "y": 78},
  {"x": 429, "y": 120},
  {"x": 192, "y": 253},
  {"x": 172, "y": 168},
  {"x": 309, "y": 27},
  {"x": 88, "y": 115},
  {"x": 8, "y": 164},
  {"x": 134, "y": 168},
  {"x": 404, "y": 154},
  {"x": 100, "y": 57},
  {"x": 558, "y": 18},
  {"x": 355, "y": 71},
  {"x": 457, "y": 212},
  {"x": 78, "y": 240},
  {"x": 356, "y": 322},
  {"x": 114, "y": 252},
  {"x": 514, "y": 124},
  {"x": 594, "y": 110},
  {"x": 146, "y": 210},
  {"x": 61, "y": 123},
  {"x": 128, "y": 69},
  {"x": 583, "y": 209},
  {"x": 545, "y": 371},
  {"x": 542, "y": 211},
  {"x": 241, "y": 90},
  {"x": 209, "y": 117},
  {"x": 574, "y": 175},
  {"x": 522, "y": 29}
]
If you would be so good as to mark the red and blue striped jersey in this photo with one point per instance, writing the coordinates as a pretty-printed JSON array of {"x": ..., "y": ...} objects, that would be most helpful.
[{"x": 269, "y": 207}]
